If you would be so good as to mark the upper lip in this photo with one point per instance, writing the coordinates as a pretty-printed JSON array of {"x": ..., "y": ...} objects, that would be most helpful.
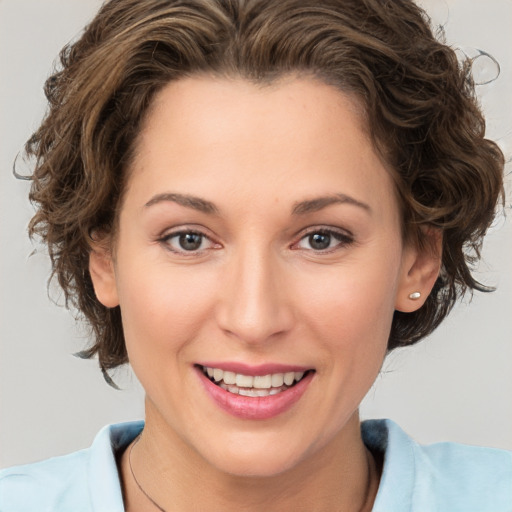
[{"x": 255, "y": 370}]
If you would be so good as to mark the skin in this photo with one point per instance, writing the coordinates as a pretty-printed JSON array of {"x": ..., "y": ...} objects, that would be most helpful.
[{"x": 257, "y": 291}]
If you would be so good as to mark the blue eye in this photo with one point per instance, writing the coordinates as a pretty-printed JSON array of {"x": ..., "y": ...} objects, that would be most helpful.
[{"x": 324, "y": 240}]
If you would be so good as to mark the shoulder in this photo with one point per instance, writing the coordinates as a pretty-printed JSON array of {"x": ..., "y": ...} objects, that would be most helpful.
[
  {"x": 446, "y": 477},
  {"x": 50, "y": 484},
  {"x": 86, "y": 480}
]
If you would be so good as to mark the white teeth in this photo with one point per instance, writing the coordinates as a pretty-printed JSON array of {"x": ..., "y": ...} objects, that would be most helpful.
[
  {"x": 244, "y": 381},
  {"x": 229, "y": 377},
  {"x": 263, "y": 381},
  {"x": 248, "y": 385},
  {"x": 247, "y": 392},
  {"x": 253, "y": 392},
  {"x": 277, "y": 380},
  {"x": 289, "y": 377}
]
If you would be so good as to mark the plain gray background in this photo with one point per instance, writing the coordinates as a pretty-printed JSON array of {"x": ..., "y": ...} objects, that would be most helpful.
[{"x": 456, "y": 386}]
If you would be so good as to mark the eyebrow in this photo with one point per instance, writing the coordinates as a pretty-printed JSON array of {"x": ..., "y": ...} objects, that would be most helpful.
[
  {"x": 318, "y": 203},
  {"x": 196, "y": 203},
  {"x": 299, "y": 208}
]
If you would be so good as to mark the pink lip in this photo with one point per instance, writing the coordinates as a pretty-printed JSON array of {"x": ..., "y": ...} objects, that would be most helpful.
[
  {"x": 255, "y": 408},
  {"x": 261, "y": 369}
]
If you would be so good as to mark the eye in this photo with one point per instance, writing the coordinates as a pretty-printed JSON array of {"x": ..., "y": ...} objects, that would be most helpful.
[
  {"x": 187, "y": 242},
  {"x": 324, "y": 240}
]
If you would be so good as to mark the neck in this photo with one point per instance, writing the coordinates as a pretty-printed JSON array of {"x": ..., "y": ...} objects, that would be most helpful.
[{"x": 341, "y": 475}]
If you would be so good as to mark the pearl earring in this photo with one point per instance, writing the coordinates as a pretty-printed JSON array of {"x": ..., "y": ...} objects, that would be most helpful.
[{"x": 415, "y": 295}]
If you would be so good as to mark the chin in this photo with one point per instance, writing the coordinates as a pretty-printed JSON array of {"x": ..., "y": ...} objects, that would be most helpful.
[
  {"x": 255, "y": 459},
  {"x": 256, "y": 467}
]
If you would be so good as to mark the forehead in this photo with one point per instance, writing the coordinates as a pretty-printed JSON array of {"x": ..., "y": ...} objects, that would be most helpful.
[
  {"x": 297, "y": 135},
  {"x": 210, "y": 108}
]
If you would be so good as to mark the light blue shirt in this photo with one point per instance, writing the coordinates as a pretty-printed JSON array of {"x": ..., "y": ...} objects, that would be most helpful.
[{"x": 443, "y": 477}]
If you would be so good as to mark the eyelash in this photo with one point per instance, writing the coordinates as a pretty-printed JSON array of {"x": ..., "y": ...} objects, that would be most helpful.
[
  {"x": 344, "y": 239},
  {"x": 166, "y": 240}
]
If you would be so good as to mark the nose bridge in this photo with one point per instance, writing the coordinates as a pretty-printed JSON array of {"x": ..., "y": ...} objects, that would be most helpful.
[{"x": 254, "y": 305}]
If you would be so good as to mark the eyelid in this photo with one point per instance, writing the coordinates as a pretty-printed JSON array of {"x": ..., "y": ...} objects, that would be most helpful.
[
  {"x": 185, "y": 228},
  {"x": 326, "y": 229}
]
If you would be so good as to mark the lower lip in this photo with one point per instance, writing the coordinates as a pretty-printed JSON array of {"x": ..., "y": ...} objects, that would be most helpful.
[{"x": 255, "y": 408}]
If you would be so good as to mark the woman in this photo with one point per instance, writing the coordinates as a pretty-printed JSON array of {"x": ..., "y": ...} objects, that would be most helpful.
[{"x": 253, "y": 203}]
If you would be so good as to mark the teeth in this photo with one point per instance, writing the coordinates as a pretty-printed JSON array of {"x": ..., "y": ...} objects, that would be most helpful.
[
  {"x": 248, "y": 385},
  {"x": 277, "y": 380},
  {"x": 229, "y": 377},
  {"x": 244, "y": 381},
  {"x": 289, "y": 378},
  {"x": 247, "y": 392},
  {"x": 263, "y": 381},
  {"x": 252, "y": 391}
]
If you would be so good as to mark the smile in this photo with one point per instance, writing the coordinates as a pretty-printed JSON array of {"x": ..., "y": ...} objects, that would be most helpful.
[
  {"x": 252, "y": 386},
  {"x": 254, "y": 393}
]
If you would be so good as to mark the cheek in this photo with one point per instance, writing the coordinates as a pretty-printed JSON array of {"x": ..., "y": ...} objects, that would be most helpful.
[
  {"x": 162, "y": 308},
  {"x": 353, "y": 300},
  {"x": 350, "y": 310}
]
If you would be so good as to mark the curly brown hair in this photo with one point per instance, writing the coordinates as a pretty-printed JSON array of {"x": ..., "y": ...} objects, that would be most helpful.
[{"x": 419, "y": 102}]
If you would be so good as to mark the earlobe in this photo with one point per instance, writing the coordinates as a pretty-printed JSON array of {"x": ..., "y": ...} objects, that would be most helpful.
[
  {"x": 420, "y": 269},
  {"x": 101, "y": 268}
]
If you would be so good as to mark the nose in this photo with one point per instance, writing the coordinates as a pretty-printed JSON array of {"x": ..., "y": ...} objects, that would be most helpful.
[{"x": 255, "y": 305}]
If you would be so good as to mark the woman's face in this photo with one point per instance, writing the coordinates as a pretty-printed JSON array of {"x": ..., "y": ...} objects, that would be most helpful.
[{"x": 259, "y": 240}]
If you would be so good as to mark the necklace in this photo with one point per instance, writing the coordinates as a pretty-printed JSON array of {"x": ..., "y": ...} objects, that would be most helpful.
[
  {"x": 370, "y": 459},
  {"x": 135, "y": 479}
]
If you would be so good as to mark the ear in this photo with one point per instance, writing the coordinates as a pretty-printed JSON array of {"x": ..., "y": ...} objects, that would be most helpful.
[
  {"x": 101, "y": 268},
  {"x": 421, "y": 264}
]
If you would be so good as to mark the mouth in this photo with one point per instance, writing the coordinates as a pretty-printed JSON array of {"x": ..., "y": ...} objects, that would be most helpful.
[{"x": 254, "y": 385}]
